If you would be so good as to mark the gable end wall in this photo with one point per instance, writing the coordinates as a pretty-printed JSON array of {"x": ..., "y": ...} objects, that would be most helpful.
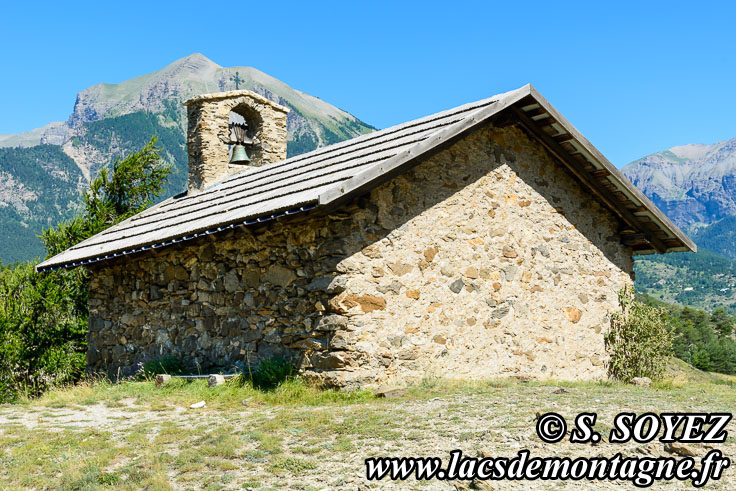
[{"x": 487, "y": 260}]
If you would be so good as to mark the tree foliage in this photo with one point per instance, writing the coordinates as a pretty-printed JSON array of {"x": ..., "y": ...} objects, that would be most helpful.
[
  {"x": 704, "y": 340},
  {"x": 42, "y": 329},
  {"x": 43, "y": 317},
  {"x": 722, "y": 323},
  {"x": 116, "y": 194}
]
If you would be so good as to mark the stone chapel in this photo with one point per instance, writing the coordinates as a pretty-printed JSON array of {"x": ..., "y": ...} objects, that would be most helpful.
[{"x": 489, "y": 240}]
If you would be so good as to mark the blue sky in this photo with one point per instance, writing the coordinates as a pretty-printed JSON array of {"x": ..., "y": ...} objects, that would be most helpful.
[{"x": 634, "y": 77}]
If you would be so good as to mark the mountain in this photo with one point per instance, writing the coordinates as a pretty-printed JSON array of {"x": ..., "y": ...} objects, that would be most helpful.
[
  {"x": 43, "y": 171},
  {"x": 38, "y": 185},
  {"x": 311, "y": 123},
  {"x": 706, "y": 280},
  {"x": 719, "y": 237},
  {"x": 693, "y": 184},
  {"x": 34, "y": 137}
]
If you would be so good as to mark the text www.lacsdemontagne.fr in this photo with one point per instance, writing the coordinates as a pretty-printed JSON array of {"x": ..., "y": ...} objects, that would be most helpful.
[{"x": 640, "y": 471}]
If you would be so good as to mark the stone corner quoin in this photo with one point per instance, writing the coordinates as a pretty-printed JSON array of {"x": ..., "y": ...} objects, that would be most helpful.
[{"x": 486, "y": 260}]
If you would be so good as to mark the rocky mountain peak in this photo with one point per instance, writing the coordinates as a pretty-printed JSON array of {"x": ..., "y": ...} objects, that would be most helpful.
[
  {"x": 693, "y": 184},
  {"x": 195, "y": 62},
  {"x": 144, "y": 93}
]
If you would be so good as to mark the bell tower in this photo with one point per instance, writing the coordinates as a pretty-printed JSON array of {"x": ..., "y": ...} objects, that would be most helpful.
[{"x": 229, "y": 132}]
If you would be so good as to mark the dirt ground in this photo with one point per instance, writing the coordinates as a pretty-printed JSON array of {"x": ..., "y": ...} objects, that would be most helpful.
[{"x": 135, "y": 436}]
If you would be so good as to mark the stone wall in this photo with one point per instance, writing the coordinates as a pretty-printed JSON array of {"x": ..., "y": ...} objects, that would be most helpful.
[
  {"x": 487, "y": 260},
  {"x": 208, "y": 116}
]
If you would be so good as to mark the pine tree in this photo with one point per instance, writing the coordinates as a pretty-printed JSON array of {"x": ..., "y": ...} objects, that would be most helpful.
[{"x": 722, "y": 323}]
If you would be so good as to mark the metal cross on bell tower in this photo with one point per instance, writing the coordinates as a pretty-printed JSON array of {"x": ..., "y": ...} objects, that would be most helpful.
[{"x": 237, "y": 80}]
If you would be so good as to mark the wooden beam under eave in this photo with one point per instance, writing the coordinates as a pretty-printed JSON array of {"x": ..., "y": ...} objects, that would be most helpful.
[
  {"x": 570, "y": 163},
  {"x": 643, "y": 249},
  {"x": 545, "y": 121},
  {"x": 632, "y": 236},
  {"x": 673, "y": 243},
  {"x": 569, "y": 148},
  {"x": 636, "y": 239},
  {"x": 535, "y": 112},
  {"x": 563, "y": 138},
  {"x": 620, "y": 197}
]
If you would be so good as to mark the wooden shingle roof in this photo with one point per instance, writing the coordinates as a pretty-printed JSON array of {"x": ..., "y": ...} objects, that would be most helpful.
[{"x": 330, "y": 175}]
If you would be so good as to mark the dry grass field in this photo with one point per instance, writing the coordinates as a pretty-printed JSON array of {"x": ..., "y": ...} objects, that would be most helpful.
[{"x": 132, "y": 435}]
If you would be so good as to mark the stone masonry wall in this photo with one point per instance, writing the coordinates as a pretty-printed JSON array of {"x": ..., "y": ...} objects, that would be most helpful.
[
  {"x": 208, "y": 116},
  {"x": 487, "y": 260}
]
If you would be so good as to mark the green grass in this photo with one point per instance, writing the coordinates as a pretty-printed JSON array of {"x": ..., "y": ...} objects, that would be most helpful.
[
  {"x": 178, "y": 392},
  {"x": 297, "y": 435}
]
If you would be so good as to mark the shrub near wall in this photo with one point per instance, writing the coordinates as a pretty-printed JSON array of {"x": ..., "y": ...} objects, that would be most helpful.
[{"x": 639, "y": 341}]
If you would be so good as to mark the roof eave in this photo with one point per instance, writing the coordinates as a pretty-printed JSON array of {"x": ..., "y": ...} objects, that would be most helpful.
[
  {"x": 645, "y": 210},
  {"x": 53, "y": 263},
  {"x": 372, "y": 177}
]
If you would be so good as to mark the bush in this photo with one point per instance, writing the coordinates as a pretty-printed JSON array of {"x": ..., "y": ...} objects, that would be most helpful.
[
  {"x": 270, "y": 373},
  {"x": 42, "y": 331},
  {"x": 639, "y": 342}
]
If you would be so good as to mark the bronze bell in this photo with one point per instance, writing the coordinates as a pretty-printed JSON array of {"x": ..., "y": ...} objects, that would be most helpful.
[{"x": 240, "y": 156}]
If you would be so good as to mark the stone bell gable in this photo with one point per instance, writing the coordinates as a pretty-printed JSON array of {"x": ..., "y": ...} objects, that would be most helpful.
[
  {"x": 208, "y": 117},
  {"x": 490, "y": 240}
]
